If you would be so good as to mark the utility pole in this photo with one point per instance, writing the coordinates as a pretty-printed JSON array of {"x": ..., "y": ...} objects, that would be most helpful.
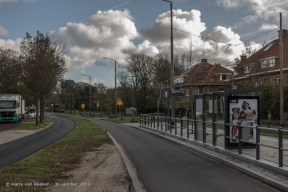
[
  {"x": 172, "y": 100},
  {"x": 115, "y": 87},
  {"x": 89, "y": 90},
  {"x": 281, "y": 74}
]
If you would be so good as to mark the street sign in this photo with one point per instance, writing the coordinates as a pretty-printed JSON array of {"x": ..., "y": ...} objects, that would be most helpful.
[
  {"x": 178, "y": 92},
  {"x": 119, "y": 101},
  {"x": 97, "y": 104},
  {"x": 82, "y": 106}
]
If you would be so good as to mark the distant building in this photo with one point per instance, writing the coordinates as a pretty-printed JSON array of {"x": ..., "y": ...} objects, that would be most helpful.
[{"x": 201, "y": 78}]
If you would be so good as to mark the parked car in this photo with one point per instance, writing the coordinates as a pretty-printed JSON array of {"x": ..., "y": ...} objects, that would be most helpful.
[{"x": 32, "y": 113}]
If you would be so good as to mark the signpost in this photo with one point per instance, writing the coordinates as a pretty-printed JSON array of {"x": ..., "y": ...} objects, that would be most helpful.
[
  {"x": 177, "y": 92},
  {"x": 119, "y": 103},
  {"x": 174, "y": 93},
  {"x": 97, "y": 105}
]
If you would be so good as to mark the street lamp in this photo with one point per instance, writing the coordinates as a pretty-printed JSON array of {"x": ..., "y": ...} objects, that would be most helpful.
[
  {"x": 172, "y": 100},
  {"x": 90, "y": 89},
  {"x": 115, "y": 87}
]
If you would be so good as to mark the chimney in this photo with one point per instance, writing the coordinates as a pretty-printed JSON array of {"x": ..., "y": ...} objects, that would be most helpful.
[
  {"x": 243, "y": 57},
  {"x": 204, "y": 60},
  {"x": 284, "y": 33}
]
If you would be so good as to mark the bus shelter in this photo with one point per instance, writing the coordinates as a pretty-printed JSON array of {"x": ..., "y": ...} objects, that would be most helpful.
[{"x": 212, "y": 115}]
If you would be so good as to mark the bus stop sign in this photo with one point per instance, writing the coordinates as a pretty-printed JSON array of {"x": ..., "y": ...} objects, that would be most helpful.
[{"x": 177, "y": 92}]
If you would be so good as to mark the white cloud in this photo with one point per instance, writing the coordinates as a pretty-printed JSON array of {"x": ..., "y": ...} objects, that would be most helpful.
[
  {"x": 7, "y": 1},
  {"x": 261, "y": 9},
  {"x": 225, "y": 44},
  {"x": 106, "y": 34},
  {"x": 105, "y": 29},
  {"x": 11, "y": 44},
  {"x": 228, "y": 3},
  {"x": 219, "y": 45},
  {"x": 265, "y": 27},
  {"x": 159, "y": 34},
  {"x": 147, "y": 48},
  {"x": 11, "y": 1},
  {"x": 3, "y": 31}
]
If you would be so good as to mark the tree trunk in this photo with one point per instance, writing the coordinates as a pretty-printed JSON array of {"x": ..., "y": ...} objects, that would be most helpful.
[
  {"x": 269, "y": 118},
  {"x": 42, "y": 105},
  {"x": 37, "y": 109}
]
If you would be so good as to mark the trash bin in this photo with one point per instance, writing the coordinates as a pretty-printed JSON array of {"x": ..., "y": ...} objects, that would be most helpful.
[{"x": 184, "y": 122}]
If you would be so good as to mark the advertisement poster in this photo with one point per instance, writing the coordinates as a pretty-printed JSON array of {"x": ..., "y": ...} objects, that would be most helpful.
[{"x": 243, "y": 111}]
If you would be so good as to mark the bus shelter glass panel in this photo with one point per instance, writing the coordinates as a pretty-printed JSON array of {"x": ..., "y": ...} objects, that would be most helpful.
[
  {"x": 208, "y": 110},
  {"x": 219, "y": 114},
  {"x": 208, "y": 117},
  {"x": 220, "y": 135},
  {"x": 199, "y": 117}
]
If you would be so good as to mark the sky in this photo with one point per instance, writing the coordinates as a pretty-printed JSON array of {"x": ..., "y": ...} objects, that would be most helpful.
[{"x": 219, "y": 30}]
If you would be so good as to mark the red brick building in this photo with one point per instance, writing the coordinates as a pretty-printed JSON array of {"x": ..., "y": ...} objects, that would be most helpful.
[
  {"x": 201, "y": 78},
  {"x": 263, "y": 66}
]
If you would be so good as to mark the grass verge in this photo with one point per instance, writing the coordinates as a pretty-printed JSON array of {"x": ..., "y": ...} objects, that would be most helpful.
[
  {"x": 30, "y": 124},
  {"x": 50, "y": 164},
  {"x": 124, "y": 119}
]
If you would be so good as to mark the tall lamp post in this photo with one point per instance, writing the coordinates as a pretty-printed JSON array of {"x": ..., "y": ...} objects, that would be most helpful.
[
  {"x": 281, "y": 74},
  {"x": 172, "y": 100},
  {"x": 115, "y": 86},
  {"x": 90, "y": 89}
]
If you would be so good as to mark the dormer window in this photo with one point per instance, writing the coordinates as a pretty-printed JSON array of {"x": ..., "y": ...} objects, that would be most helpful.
[
  {"x": 268, "y": 62},
  {"x": 223, "y": 76},
  {"x": 248, "y": 68}
]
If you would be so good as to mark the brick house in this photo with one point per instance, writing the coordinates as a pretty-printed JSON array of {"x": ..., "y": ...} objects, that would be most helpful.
[
  {"x": 263, "y": 66},
  {"x": 201, "y": 78}
]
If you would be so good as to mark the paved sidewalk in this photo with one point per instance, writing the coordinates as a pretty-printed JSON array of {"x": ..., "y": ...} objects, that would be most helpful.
[
  {"x": 262, "y": 170},
  {"x": 11, "y": 135}
]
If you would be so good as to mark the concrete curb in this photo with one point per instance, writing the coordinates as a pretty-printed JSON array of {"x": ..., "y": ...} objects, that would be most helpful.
[{"x": 137, "y": 186}]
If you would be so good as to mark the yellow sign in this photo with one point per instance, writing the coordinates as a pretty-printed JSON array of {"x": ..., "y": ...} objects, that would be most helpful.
[
  {"x": 119, "y": 103},
  {"x": 82, "y": 106}
]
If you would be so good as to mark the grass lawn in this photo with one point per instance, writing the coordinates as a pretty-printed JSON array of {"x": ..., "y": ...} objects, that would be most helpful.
[
  {"x": 30, "y": 124},
  {"x": 52, "y": 162},
  {"x": 125, "y": 119}
]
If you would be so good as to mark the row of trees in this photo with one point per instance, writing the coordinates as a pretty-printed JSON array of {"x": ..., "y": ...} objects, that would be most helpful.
[
  {"x": 139, "y": 84},
  {"x": 35, "y": 71}
]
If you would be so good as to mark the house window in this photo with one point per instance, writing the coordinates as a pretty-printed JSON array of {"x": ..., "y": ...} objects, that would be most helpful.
[
  {"x": 235, "y": 72},
  {"x": 259, "y": 83},
  {"x": 266, "y": 63},
  {"x": 275, "y": 81},
  {"x": 187, "y": 92},
  {"x": 249, "y": 67},
  {"x": 223, "y": 77}
]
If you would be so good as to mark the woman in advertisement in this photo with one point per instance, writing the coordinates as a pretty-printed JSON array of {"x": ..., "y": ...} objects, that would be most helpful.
[
  {"x": 244, "y": 114},
  {"x": 235, "y": 119}
]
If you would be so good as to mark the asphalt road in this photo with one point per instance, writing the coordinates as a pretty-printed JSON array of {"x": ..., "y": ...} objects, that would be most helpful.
[
  {"x": 7, "y": 126},
  {"x": 164, "y": 166},
  {"x": 17, "y": 150}
]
